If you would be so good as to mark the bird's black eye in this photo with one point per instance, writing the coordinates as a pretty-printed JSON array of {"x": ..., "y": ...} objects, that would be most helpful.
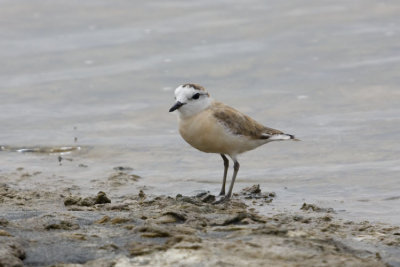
[{"x": 196, "y": 96}]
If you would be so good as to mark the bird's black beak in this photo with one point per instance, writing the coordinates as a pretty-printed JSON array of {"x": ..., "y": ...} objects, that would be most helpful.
[{"x": 176, "y": 106}]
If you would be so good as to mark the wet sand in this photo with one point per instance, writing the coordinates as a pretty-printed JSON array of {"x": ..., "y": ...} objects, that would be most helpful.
[
  {"x": 65, "y": 228},
  {"x": 99, "y": 75}
]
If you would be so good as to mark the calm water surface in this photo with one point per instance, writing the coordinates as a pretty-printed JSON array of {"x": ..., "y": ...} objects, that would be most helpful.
[{"x": 104, "y": 73}]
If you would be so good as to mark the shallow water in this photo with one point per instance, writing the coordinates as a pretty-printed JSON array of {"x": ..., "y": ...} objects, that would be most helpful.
[{"x": 100, "y": 76}]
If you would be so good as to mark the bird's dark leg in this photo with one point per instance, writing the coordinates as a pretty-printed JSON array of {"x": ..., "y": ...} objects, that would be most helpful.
[
  {"x": 226, "y": 165},
  {"x": 235, "y": 171}
]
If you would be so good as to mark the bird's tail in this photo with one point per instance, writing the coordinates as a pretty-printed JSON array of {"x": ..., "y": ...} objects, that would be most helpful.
[{"x": 282, "y": 137}]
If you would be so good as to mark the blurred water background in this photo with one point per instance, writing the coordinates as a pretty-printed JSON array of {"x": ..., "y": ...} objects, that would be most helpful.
[{"x": 100, "y": 75}]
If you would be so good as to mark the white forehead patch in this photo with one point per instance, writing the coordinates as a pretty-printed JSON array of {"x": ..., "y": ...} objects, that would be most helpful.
[{"x": 183, "y": 93}]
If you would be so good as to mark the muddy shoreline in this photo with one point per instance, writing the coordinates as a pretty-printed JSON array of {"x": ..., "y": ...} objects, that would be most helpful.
[
  {"x": 42, "y": 228},
  {"x": 86, "y": 86}
]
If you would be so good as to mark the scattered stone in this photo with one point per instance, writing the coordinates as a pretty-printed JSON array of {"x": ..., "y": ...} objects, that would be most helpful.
[
  {"x": 87, "y": 202},
  {"x": 129, "y": 227},
  {"x": 208, "y": 198},
  {"x": 139, "y": 248},
  {"x": 77, "y": 236},
  {"x": 186, "y": 242},
  {"x": 202, "y": 193},
  {"x": 152, "y": 231},
  {"x": 118, "y": 220},
  {"x": 120, "y": 207},
  {"x": 240, "y": 217},
  {"x": 178, "y": 217},
  {"x": 3, "y": 222},
  {"x": 254, "y": 192},
  {"x": 302, "y": 219},
  {"x": 105, "y": 219},
  {"x": 190, "y": 200},
  {"x": 164, "y": 219},
  {"x": 315, "y": 208},
  {"x": 101, "y": 198},
  {"x": 235, "y": 219},
  {"x": 11, "y": 254},
  {"x": 229, "y": 228},
  {"x": 180, "y": 238},
  {"x": 4, "y": 233},
  {"x": 254, "y": 189},
  {"x": 188, "y": 245},
  {"x": 123, "y": 169},
  {"x": 141, "y": 194},
  {"x": 270, "y": 230},
  {"x": 112, "y": 247},
  {"x": 72, "y": 200},
  {"x": 62, "y": 225},
  {"x": 326, "y": 218}
]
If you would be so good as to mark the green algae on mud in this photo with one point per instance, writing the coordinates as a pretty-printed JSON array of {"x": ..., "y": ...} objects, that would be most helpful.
[{"x": 184, "y": 230}]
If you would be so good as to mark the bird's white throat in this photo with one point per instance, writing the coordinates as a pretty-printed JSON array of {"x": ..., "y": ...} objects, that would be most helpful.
[{"x": 193, "y": 108}]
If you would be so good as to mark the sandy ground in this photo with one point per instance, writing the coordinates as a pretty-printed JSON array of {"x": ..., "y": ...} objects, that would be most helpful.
[
  {"x": 62, "y": 228},
  {"x": 100, "y": 74}
]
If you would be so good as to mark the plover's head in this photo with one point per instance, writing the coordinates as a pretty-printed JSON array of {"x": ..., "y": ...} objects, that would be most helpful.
[{"x": 190, "y": 99}]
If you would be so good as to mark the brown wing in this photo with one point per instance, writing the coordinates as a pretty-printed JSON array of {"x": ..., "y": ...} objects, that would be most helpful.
[{"x": 241, "y": 124}]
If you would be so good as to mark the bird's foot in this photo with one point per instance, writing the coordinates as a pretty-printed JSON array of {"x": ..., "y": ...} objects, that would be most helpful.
[{"x": 223, "y": 199}]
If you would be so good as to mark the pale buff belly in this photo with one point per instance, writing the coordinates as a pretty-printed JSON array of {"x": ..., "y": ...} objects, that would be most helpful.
[{"x": 203, "y": 132}]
